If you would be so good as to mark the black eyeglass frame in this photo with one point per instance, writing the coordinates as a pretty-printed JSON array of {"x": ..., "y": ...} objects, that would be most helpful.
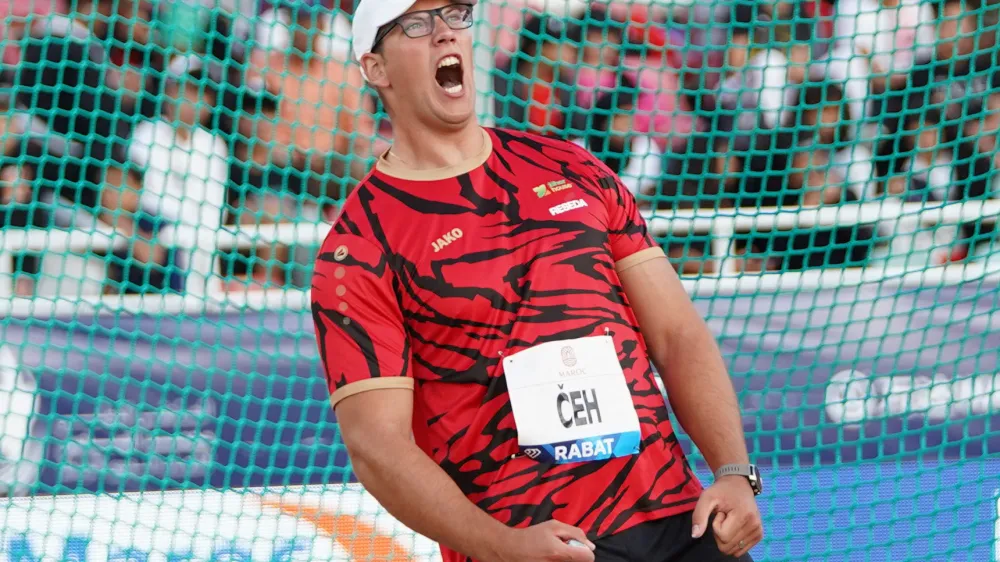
[{"x": 434, "y": 13}]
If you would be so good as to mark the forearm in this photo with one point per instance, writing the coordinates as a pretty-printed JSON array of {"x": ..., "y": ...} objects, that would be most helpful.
[
  {"x": 421, "y": 495},
  {"x": 701, "y": 394}
]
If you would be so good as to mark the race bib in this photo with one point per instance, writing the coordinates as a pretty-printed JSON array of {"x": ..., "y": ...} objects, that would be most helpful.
[{"x": 571, "y": 402}]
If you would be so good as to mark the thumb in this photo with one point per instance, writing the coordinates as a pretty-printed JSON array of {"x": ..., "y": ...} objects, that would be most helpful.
[
  {"x": 706, "y": 505},
  {"x": 568, "y": 532},
  {"x": 720, "y": 518}
]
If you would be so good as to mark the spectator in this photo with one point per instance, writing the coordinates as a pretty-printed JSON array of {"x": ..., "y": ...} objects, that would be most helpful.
[
  {"x": 600, "y": 54},
  {"x": 274, "y": 31},
  {"x": 693, "y": 171},
  {"x": 787, "y": 169},
  {"x": 925, "y": 152},
  {"x": 185, "y": 168},
  {"x": 319, "y": 142},
  {"x": 661, "y": 112},
  {"x": 818, "y": 246},
  {"x": 975, "y": 173},
  {"x": 753, "y": 87},
  {"x": 761, "y": 81},
  {"x": 878, "y": 43},
  {"x": 255, "y": 196},
  {"x": 131, "y": 48},
  {"x": 704, "y": 43},
  {"x": 961, "y": 71},
  {"x": 613, "y": 138},
  {"x": 534, "y": 90},
  {"x": 823, "y": 111},
  {"x": 16, "y": 193},
  {"x": 7, "y": 129},
  {"x": 324, "y": 132},
  {"x": 74, "y": 123}
]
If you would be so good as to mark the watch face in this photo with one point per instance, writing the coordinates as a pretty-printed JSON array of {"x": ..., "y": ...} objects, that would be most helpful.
[{"x": 755, "y": 481}]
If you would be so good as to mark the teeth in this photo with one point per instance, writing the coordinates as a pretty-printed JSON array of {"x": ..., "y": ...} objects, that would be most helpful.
[
  {"x": 449, "y": 61},
  {"x": 454, "y": 89}
]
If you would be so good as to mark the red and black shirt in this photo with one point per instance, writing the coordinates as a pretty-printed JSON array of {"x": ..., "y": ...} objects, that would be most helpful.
[{"x": 429, "y": 277}]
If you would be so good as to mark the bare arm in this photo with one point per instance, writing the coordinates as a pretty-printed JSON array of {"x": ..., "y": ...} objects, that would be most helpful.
[
  {"x": 376, "y": 429},
  {"x": 689, "y": 361}
]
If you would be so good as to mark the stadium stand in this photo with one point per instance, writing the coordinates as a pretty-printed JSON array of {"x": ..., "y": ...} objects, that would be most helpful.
[{"x": 822, "y": 173}]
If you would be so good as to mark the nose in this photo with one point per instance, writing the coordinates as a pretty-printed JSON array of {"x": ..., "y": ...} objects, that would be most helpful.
[{"x": 443, "y": 33}]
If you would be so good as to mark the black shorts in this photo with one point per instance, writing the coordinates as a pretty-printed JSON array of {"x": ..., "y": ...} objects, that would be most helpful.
[{"x": 663, "y": 540}]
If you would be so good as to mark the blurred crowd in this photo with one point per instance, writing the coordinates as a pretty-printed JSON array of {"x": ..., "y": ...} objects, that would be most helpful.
[
  {"x": 206, "y": 115},
  {"x": 751, "y": 105},
  {"x": 192, "y": 115}
]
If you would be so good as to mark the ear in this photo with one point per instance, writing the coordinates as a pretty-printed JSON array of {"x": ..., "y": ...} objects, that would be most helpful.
[{"x": 373, "y": 65}]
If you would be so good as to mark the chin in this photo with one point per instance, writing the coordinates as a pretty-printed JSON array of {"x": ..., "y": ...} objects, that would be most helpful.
[
  {"x": 458, "y": 115},
  {"x": 453, "y": 113}
]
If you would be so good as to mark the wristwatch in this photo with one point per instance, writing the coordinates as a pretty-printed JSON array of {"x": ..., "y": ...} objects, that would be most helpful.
[{"x": 749, "y": 471}]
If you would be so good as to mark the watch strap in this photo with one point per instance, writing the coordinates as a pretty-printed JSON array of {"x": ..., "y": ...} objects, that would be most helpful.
[
  {"x": 748, "y": 471},
  {"x": 734, "y": 469}
]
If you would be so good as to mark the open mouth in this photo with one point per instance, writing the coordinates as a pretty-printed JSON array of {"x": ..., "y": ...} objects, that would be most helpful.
[{"x": 449, "y": 74}]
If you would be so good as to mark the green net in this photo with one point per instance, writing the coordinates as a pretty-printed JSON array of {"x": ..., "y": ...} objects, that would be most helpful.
[{"x": 821, "y": 174}]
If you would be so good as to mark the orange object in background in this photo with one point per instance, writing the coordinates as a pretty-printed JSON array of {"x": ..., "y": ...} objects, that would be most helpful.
[{"x": 542, "y": 113}]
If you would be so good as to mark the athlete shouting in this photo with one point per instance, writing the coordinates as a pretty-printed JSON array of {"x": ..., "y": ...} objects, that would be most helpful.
[{"x": 488, "y": 308}]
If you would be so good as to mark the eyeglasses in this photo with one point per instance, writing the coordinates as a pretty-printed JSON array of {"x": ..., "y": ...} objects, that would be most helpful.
[{"x": 421, "y": 23}]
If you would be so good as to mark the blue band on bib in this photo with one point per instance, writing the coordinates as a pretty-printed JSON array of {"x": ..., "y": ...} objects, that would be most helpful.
[{"x": 584, "y": 450}]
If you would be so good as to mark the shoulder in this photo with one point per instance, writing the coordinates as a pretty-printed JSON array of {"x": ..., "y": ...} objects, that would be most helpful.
[
  {"x": 349, "y": 253},
  {"x": 571, "y": 158},
  {"x": 356, "y": 220},
  {"x": 561, "y": 151}
]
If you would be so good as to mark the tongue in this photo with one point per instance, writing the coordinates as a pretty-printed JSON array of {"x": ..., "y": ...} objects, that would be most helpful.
[{"x": 449, "y": 77}]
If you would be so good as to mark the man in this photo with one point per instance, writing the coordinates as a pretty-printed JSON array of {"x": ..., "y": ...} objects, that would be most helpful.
[{"x": 496, "y": 296}]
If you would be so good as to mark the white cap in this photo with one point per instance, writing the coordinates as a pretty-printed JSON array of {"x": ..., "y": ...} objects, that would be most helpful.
[{"x": 369, "y": 17}]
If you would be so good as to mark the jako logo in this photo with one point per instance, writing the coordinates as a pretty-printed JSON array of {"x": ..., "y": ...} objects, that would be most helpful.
[
  {"x": 568, "y": 206},
  {"x": 447, "y": 238},
  {"x": 532, "y": 453}
]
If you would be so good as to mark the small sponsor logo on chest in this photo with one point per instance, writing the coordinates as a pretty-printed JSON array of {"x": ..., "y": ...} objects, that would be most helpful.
[
  {"x": 446, "y": 239},
  {"x": 552, "y": 187}
]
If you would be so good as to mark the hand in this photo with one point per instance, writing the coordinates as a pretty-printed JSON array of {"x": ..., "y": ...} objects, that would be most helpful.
[
  {"x": 737, "y": 522},
  {"x": 545, "y": 542}
]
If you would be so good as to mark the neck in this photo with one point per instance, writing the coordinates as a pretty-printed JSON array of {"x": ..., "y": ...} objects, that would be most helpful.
[{"x": 418, "y": 150}]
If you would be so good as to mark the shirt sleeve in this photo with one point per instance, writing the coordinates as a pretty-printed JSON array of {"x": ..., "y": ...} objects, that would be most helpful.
[
  {"x": 628, "y": 232},
  {"x": 359, "y": 325}
]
